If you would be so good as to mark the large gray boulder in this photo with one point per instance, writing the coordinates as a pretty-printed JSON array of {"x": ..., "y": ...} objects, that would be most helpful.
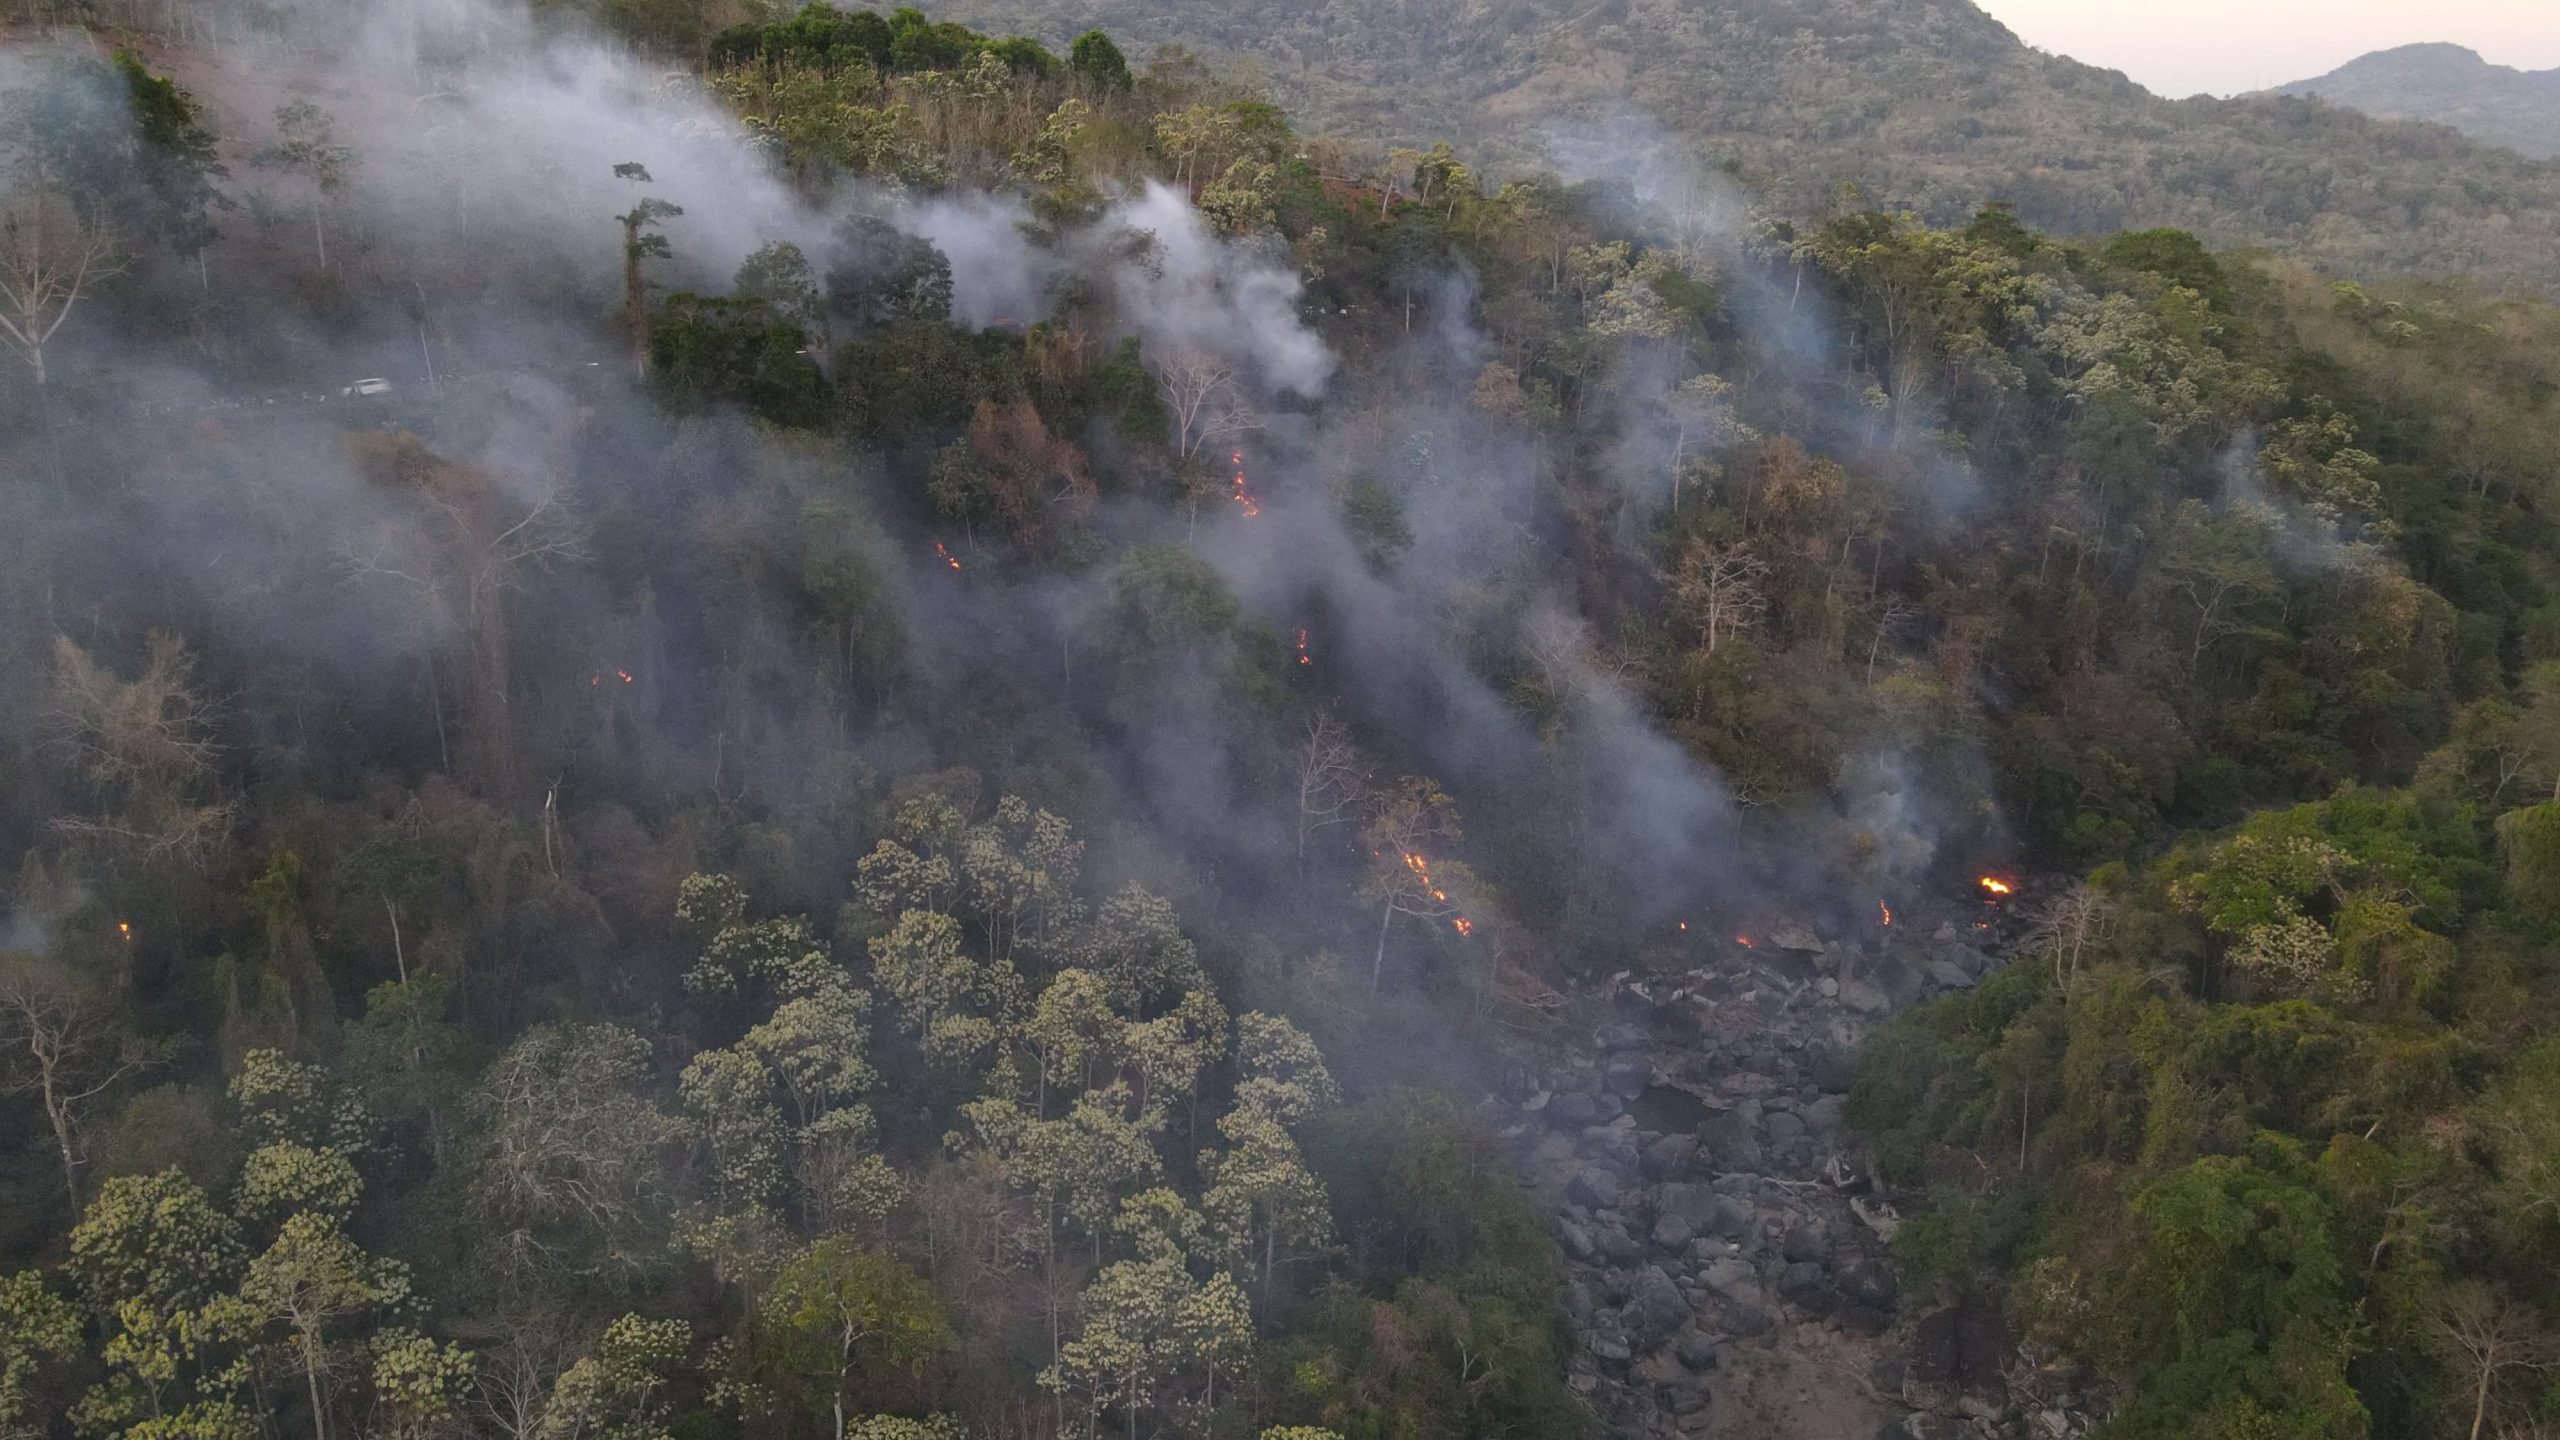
[
  {"x": 1735, "y": 1279},
  {"x": 1656, "y": 1307},
  {"x": 1670, "y": 1157},
  {"x": 1869, "y": 1282},
  {"x": 1806, "y": 1287},
  {"x": 1597, "y": 1186}
]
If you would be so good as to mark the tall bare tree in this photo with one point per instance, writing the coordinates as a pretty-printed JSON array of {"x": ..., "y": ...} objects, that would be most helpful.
[
  {"x": 2082, "y": 917},
  {"x": 2480, "y": 1335},
  {"x": 1891, "y": 615},
  {"x": 52, "y": 256},
  {"x": 147, "y": 745},
  {"x": 57, "y": 1044},
  {"x": 1719, "y": 588},
  {"x": 1207, "y": 403},
  {"x": 1331, "y": 782}
]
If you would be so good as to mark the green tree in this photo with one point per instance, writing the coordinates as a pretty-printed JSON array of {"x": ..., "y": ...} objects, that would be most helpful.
[
  {"x": 836, "y": 1312},
  {"x": 1136, "y": 944},
  {"x": 417, "y": 1384},
  {"x": 126, "y": 146},
  {"x": 307, "y": 146},
  {"x": 2532, "y": 841},
  {"x": 2520, "y": 1118},
  {"x": 1098, "y": 63},
  {"x": 2244, "y": 1304},
  {"x": 1075, "y": 1168},
  {"x": 814, "y": 1044},
  {"x": 728, "y": 1096},
  {"x": 406, "y": 1057},
  {"x": 923, "y": 968},
  {"x": 616, "y": 1393},
  {"x": 312, "y": 1279},
  {"x": 779, "y": 276},
  {"x": 1168, "y": 1054},
  {"x": 156, "y": 1239},
  {"x": 282, "y": 1179},
  {"x": 1073, "y": 1032},
  {"x": 881, "y": 277},
  {"x": 36, "y": 1326},
  {"x": 2176, "y": 257},
  {"x": 2219, "y": 570},
  {"x": 1164, "y": 597},
  {"x": 1280, "y": 1072},
  {"x": 159, "y": 1264},
  {"x": 1151, "y": 1335},
  {"x": 1261, "y": 1196},
  {"x": 706, "y": 350},
  {"x": 286, "y": 1100},
  {"x": 1376, "y": 520}
]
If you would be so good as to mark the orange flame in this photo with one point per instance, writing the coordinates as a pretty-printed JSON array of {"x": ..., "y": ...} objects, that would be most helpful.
[
  {"x": 947, "y": 557},
  {"x": 125, "y": 929},
  {"x": 1886, "y": 911},
  {"x": 1421, "y": 869},
  {"x": 1993, "y": 885},
  {"x": 1237, "y": 491},
  {"x": 625, "y": 674},
  {"x": 1303, "y": 657},
  {"x": 1745, "y": 942},
  {"x": 1684, "y": 927}
]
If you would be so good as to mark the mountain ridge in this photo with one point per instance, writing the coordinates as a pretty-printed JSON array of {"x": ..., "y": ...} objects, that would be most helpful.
[
  {"x": 2450, "y": 85},
  {"x": 1930, "y": 105}
]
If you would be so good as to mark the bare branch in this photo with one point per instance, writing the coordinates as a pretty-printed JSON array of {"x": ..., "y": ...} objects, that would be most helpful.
[
  {"x": 1332, "y": 784},
  {"x": 1207, "y": 404},
  {"x": 1719, "y": 587},
  {"x": 51, "y": 257}
]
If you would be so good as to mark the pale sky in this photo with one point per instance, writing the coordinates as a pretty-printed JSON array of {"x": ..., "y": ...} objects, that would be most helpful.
[{"x": 2180, "y": 47}]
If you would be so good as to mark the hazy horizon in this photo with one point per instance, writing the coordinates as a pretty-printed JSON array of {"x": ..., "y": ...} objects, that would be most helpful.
[{"x": 2257, "y": 44}]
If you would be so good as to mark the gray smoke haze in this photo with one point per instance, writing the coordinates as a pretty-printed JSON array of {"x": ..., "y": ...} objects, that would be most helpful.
[
  {"x": 1713, "y": 229},
  {"x": 1893, "y": 811},
  {"x": 484, "y": 152}
]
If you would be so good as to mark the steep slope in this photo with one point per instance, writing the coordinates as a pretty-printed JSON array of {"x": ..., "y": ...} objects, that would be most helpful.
[
  {"x": 2449, "y": 85},
  {"x": 1925, "y": 103}
]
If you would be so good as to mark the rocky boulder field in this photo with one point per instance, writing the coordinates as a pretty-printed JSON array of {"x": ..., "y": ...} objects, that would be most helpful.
[{"x": 1684, "y": 1125}]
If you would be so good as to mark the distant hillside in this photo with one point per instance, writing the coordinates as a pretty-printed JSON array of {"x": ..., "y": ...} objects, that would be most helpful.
[
  {"x": 2449, "y": 85},
  {"x": 1929, "y": 103}
]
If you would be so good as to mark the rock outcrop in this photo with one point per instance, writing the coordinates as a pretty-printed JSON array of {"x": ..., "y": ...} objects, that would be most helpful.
[{"x": 1726, "y": 1239}]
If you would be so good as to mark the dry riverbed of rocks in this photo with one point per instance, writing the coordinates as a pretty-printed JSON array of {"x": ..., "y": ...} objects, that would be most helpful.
[{"x": 1726, "y": 1240}]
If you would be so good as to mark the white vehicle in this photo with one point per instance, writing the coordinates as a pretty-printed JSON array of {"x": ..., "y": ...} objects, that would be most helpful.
[{"x": 375, "y": 386}]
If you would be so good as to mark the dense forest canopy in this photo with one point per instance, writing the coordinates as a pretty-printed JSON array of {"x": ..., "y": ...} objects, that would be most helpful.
[{"x": 884, "y": 741}]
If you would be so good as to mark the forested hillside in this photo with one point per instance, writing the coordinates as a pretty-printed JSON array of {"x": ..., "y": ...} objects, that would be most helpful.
[{"x": 886, "y": 741}]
